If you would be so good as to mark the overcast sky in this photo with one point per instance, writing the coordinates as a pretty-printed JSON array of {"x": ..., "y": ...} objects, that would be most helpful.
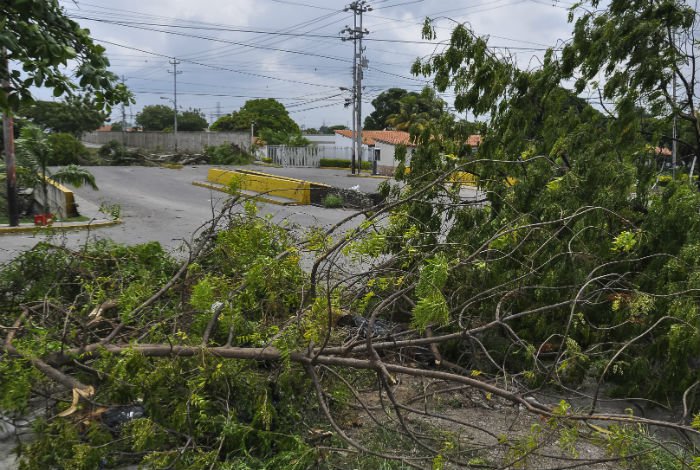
[{"x": 232, "y": 50}]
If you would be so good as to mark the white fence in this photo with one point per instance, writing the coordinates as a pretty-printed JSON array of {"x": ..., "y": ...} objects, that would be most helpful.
[
  {"x": 295, "y": 156},
  {"x": 311, "y": 155}
]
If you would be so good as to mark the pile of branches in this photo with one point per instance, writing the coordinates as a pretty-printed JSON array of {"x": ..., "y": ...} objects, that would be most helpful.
[{"x": 237, "y": 355}]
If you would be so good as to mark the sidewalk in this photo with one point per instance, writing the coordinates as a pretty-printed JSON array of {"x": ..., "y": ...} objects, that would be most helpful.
[{"x": 96, "y": 218}]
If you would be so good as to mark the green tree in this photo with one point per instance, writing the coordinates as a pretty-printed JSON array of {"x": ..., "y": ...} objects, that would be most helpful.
[
  {"x": 75, "y": 115},
  {"x": 191, "y": 120},
  {"x": 155, "y": 117},
  {"x": 265, "y": 114},
  {"x": 34, "y": 152},
  {"x": 331, "y": 129},
  {"x": 386, "y": 104},
  {"x": 283, "y": 138},
  {"x": 66, "y": 149},
  {"x": 653, "y": 39},
  {"x": 417, "y": 110},
  {"x": 41, "y": 39},
  {"x": 570, "y": 193}
]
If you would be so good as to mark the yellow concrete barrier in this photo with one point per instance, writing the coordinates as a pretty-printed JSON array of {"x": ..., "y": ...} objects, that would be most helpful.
[
  {"x": 465, "y": 178},
  {"x": 61, "y": 199},
  {"x": 263, "y": 183}
]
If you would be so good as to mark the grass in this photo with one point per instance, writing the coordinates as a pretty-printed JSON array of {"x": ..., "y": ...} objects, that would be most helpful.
[
  {"x": 333, "y": 201},
  {"x": 5, "y": 220}
]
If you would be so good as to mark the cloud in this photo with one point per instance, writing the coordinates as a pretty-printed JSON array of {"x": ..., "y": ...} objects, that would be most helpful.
[{"x": 222, "y": 76}]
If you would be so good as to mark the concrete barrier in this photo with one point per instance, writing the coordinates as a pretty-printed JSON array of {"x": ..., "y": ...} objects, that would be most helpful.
[
  {"x": 61, "y": 200},
  {"x": 293, "y": 189}
]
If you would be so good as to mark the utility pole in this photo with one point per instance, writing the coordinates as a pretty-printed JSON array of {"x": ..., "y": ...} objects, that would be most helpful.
[
  {"x": 123, "y": 117},
  {"x": 674, "y": 144},
  {"x": 9, "y": 138},
  {"x": 356, "y": 33},
  {"x": 175, "y": 73}
]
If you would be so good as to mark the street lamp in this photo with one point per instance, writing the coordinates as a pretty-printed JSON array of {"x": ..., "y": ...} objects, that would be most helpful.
[{"x": 174, "y": 117}]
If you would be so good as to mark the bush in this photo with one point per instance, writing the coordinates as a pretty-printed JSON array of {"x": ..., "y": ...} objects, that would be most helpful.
[
  {"x": 333, "y": 201},
  {"x": 66, "y": 149},
  {"x": 665, "y": 179},
  {"x": 340, "y": 163},
  {"x": 227, "y": 154}
]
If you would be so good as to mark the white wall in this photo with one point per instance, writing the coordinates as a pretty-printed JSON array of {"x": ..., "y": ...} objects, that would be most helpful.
[
  {"x": 387, "y": 155},
  {"x": 165, "y": 141}
]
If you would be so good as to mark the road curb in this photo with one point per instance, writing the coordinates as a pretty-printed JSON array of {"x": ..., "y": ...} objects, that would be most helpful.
[{"x": 30, "y": 228}]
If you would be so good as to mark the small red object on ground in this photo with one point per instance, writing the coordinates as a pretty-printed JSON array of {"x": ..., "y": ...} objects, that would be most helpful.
[{"x": 43, "y": 219}]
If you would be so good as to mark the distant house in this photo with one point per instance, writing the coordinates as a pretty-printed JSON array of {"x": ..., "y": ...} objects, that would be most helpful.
[
  {"x": 378, "y": 144},
  {"x": 382, "y": 145},
  {"x": 474, "y": 141},
  {"x": 105, "y": 128}
]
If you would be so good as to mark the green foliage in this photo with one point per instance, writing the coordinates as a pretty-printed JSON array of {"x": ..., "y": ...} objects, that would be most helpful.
[
  {"x": 160, "y": 117},
  {"x": 156, "y": 117},
  {"x": 246, "y": 410},
  {"x": 191, "y": 120},
  {"x": 75, "y": 115},
  {"x": 386, "y": 104},
  {"x": 264, "y": 113},
  {"x": 292, "y": 139},
  {"x": 638, "y": 446},
  {"x": 399, "y": 109},
  {"x": 66, "y": 149},
  {"x": 333, "y": 201},
  {"x": 227, "y": 154},
  {"x": 35, "y": 153},
  {"x": 330, "y": 130},
  {"x": 416, "y": 110},
  {"x": 431, "y": 307},
  {"x": 40, "y": 37}
]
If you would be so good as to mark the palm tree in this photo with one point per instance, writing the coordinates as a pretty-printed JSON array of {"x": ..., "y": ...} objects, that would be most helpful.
[
  {"x": 417, "y": 110},
  {"x": 34, "y": 152}
]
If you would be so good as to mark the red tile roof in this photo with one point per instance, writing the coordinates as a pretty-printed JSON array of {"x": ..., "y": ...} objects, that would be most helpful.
[
  {"x": 396, "y": 137},
  {"x": 105, "y": 128},
  {"x": 474, "y": 140},
  {"x": 663, "y": 151},
  {"x": 370, "y": 137}
]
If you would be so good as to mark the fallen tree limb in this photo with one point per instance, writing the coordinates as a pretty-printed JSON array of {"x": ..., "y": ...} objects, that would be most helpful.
[{"x": 273, "y": 354}]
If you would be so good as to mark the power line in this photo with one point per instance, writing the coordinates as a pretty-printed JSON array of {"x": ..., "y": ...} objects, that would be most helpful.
[
  {"x": 207, "y": 38},
  {"x": 216, "y": 67},
  {"x": 142, "y": 26}
]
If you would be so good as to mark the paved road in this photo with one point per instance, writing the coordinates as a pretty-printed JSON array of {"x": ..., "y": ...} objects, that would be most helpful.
[{"x": 159, "y": 204}]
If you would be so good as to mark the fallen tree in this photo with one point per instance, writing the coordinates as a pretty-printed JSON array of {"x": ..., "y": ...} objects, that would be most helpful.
[{"x": 552, "y": 323}]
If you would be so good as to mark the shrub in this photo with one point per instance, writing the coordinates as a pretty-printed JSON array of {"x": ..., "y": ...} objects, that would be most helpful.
[
  {"x": 227, "y": 154},
  {"x": 333, "y": 201},
  {"x": 340, "y": 163},
  {"x": 266, "y": 160},
  {"x": 66, "y": 149}
]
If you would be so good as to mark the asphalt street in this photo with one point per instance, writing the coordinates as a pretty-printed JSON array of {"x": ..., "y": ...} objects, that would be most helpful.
[{"x": 161, "y": 204}]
